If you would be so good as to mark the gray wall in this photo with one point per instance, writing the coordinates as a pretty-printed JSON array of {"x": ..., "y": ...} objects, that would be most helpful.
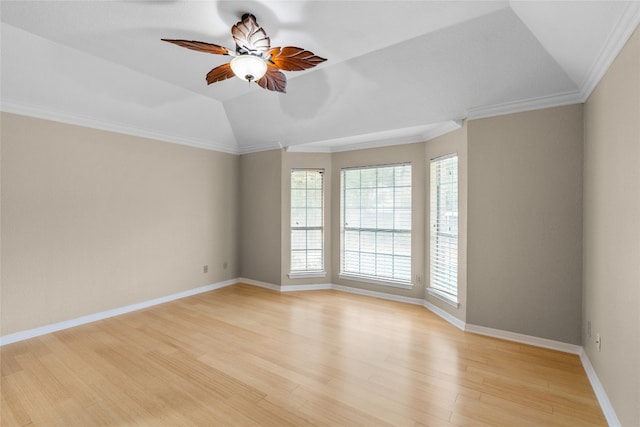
[
  {"x": 612, "y": 232},
  {"x": 95, "y": 220},
  {"x": 525, "y": 223},
  {"x": 260, "y": 216}
]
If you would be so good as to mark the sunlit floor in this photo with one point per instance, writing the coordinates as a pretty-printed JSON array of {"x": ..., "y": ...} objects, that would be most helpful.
[{"x": 246, "y": 356}]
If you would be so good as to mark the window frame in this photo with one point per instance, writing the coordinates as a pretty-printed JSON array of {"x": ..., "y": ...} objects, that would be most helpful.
[
  {"x": 307, "y": 273},
  {"x": 441, "y": 290},
  {"x": 408, "y": 231}
]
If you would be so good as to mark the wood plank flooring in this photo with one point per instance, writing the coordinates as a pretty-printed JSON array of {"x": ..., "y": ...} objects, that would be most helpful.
[{"x": 246, "y": 356}]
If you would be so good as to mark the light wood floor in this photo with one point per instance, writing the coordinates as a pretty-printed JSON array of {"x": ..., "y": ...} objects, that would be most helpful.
[{"x": 246, "y": 356}]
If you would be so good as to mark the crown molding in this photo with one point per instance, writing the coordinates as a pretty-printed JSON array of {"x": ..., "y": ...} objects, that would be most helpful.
[
  {"x": 14, "y": 107},
  {"x": 621, "y": 33},
  {"x": 409, "y": 135},
  {"x": 530, "y": 104},
  {"x": 256, "y": 148},
  {"x": 629, "y": 21}
]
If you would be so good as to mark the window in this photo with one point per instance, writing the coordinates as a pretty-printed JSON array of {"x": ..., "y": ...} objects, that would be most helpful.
[
  {"x": 307, "y": 231},
  {"x": 444, "y": 227},
  {"x": 376, "y": 224}
]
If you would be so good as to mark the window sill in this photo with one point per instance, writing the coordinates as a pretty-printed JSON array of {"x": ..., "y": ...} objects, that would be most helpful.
[
  {"x": 376, "y": 281},
  {"x": 306, "y": 274},
  {"x": 442, "y": 296}
]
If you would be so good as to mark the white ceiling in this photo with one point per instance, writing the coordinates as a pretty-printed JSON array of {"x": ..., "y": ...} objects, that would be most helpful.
[{"x": 397, "y": 71}]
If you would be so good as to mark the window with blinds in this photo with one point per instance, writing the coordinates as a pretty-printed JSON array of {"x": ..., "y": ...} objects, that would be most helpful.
[
  {"x": 307, "y": 231},
  {"x": 376, "y": 223},
  {"x": 444, "y": 226}
]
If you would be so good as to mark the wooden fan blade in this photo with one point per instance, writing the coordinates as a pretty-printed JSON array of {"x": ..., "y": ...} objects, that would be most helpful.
[
  {"x": 274, "y": 80},
  {"x": 250, "y": 37},
  {"x": 222, "y": 72},
  {"x": 200, "y": 46},
  {"x": 292, "y": 58}
]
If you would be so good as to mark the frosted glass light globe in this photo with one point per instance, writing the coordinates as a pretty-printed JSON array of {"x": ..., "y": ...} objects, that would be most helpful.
[{"x": 248, "y": 67}]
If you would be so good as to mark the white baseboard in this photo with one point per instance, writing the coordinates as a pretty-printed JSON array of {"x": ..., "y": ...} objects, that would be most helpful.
[
  {"x": 443, "y": 314},
  {"x": 259, "y": 284},
  {"x": 605, "y": 404},
  {"x": 524, "y": 339},
  {"x": 328, "y": 286},
  {"x": 312, "y": 287},
  {"x": 54, "y": 327},
  {"x": 381, "y": 295}
]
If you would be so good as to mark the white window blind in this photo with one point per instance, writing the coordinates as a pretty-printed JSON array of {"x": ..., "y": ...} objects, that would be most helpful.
[
  {"x": 444, "y": 225},
  {"x": 376, "y": 223},
  {"x": 307, "y": 231}
]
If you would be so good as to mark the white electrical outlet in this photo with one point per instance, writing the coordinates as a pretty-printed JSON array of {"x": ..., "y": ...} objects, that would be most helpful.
[
  {"x": 205, "y": 269},
  {"x": 598, "y": 342}
]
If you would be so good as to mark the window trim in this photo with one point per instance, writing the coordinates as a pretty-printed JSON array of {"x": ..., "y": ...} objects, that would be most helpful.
[
  {"x": 375, "y": 280},
  {"x": 310, "y": 274},
  {"x": 366, "y": 278},
  {"x": 303, "y": 274},
  {"x": 438, "y": 292},
  {"x": 443, "y": 296}
]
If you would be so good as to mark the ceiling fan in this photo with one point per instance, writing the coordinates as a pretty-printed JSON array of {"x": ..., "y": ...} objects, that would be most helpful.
[{"x": 254, "y": 59}]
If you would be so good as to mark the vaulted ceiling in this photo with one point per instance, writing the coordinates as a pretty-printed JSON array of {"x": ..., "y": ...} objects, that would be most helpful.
[{"x": 396, "y": 71}]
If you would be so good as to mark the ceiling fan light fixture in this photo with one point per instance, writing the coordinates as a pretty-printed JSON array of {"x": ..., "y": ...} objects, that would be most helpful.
[
  {"x": 248, "y": 67},
  {"x": 253, "y": 50}
]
